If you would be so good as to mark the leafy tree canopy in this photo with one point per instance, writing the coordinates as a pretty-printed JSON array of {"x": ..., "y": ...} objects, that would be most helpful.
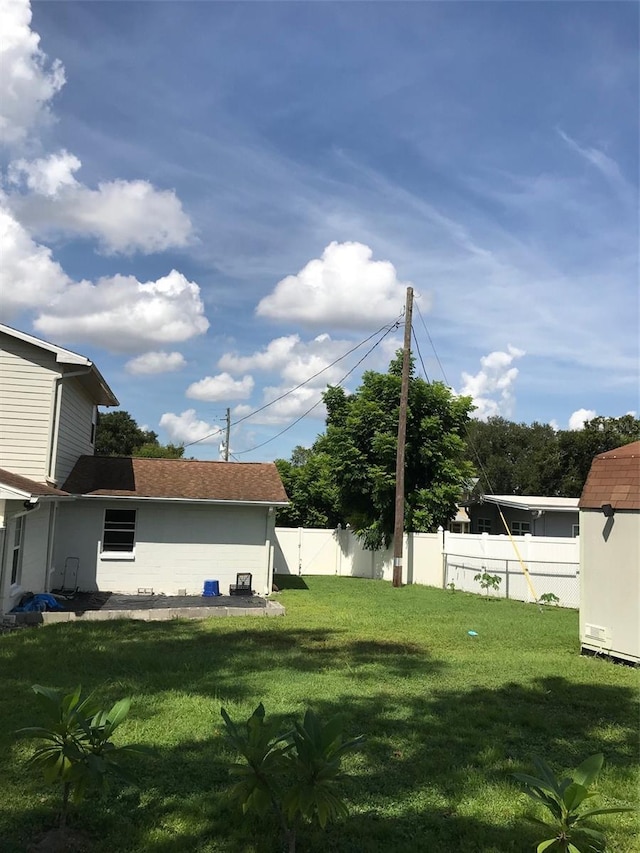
[
  {"x": 355, "y": 457},
  {"x": 118, "y": 434},
  {"x": 535, "y": 459}
]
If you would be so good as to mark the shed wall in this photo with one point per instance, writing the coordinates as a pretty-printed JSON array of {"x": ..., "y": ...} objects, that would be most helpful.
[{"x": 610, "y": 583}]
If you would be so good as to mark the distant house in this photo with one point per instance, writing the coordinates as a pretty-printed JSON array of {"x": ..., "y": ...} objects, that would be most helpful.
[
  {"x": 70, "y": 519},
  {"x": 610, "y": 555},
  {"x": 48, "y": 410},
  {"x": 166, "y": 525},
  {"x": 538, "y": 516}
]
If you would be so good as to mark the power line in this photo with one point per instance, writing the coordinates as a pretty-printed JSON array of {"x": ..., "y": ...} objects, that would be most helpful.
[
  {"x": 316, "y": 404},
  {"x": 424, "y": 369},
  {"x": 389, "y": 327},
  {"x": 444, "y": 376}
]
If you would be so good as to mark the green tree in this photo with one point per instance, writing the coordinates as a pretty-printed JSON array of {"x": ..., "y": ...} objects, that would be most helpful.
[
  {"x": 535, "y": 459},
  {"x": 360, "y": 443},
  {"x": 578, "y": 447},
  {"x": 308, "y": 481},
  {"x": 118, "y": 434}
]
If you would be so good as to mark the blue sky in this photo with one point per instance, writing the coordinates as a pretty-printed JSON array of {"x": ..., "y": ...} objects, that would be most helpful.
[{"x": 216, "y": 200}]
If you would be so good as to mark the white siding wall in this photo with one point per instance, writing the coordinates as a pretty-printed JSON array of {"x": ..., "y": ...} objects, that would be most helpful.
[
  {"x": 610, "y": 582},
  {"x": 26, "y": 397},
  {"x": 35, "y": 552},
  {"x": 178, "y": 546},
  {"x": 74, "y": 431}
]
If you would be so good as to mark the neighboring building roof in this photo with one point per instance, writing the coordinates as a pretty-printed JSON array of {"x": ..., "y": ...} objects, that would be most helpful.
[
  {"x": 614, "y": 478},
  {"x": 534, "y": 502},
  {"x": 26, "y": 487},
  {"x": 104, "y": 396},
  {"x": 177, "y": 479}
]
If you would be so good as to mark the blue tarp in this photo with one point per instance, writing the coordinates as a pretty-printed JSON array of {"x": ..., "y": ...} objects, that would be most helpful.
[{"x": 37, "y": 603}]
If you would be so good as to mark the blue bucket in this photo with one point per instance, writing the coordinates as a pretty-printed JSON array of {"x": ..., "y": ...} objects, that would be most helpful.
[{"x": 211, "y": 588}]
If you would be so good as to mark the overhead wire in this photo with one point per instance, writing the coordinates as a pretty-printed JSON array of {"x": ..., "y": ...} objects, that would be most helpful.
[
  {"x": 317, "y": 403},
  {"x": 483, "y": 471},
  {"x": 424, "y": 369},
  {"x": 388, "y": 326},
  {"x": 444, "y": 375}
]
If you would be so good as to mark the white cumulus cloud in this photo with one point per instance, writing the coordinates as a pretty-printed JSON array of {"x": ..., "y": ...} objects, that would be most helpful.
[
  {"x": 123, "y": 314},
  {"x": 292, "y": 406},
  {"x": 29, "y": 277},
  {"x": 123, "y": 216},
  {"x": 221, "y": 387},
  {"x": 492, "y": 387},
  {"x": 295, "y": 360},
  {"x": 150, "y": 363},
  {"x": 344, "y": 288},
  {"x": 47, "y": 175},
  {"x": 187, "y": 427},
  {"x": 578, "y": 418},
  {"x": 28, "y": 81}
]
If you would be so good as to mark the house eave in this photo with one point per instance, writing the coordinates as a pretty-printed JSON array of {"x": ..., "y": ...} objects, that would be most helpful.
[{"x": 208, "y": 501}]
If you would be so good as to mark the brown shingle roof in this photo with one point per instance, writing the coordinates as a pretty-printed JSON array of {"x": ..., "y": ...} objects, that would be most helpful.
[
  {"x": 176, "y": 478},
  {"x": 614, "y": 478},
  {"x": 24, "y": 484}
]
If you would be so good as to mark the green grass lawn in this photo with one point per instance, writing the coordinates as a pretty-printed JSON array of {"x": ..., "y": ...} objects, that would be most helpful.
[{"x": 447, "y": 717}]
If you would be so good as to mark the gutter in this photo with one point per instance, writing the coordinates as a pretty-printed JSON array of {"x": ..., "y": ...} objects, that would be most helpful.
[{"x": 145, "y": 499}]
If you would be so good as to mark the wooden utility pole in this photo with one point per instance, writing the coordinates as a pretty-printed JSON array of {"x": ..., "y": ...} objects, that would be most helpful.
[
  {"x": 398, "y": 529},
  {"x": 227, "y": 437}
]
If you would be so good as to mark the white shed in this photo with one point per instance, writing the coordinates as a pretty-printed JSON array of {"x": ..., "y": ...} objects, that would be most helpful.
[
  {"x": 610, "y": 555},
  {"x": 166, "y": 525}
]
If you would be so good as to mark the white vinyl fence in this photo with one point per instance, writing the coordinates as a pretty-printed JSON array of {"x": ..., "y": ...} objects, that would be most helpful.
[
  {"x": 553, "y": 564},
  {"x": 439, "y": 559}
]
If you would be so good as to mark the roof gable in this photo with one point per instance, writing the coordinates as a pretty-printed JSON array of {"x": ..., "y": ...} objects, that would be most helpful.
[
  {"x": 177, "y": 479},
  {"x": 614, "y": 478},
  {"x": 92, "y": 377}
]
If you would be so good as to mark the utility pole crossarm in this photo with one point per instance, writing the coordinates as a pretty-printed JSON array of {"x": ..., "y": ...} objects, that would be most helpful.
[{"x": 398, "y": 529}]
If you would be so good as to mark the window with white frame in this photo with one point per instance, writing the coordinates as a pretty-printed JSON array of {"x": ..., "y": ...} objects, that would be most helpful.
[
  {"x": 484, "y": 525},
  {"x": 16, "y": 549},
  {"x": 519, "y": 528},
  {"x": 119, "y": 533}
]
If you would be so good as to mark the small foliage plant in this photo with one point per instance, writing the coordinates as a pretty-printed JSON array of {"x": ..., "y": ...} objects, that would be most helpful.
[
  {"x": 549, "y": 598},
  {"x": 570, "y": 828},
  {"x": 78, "y": 752},
  {"x": 293, "y": 773},
  {"x": 488, "y": 581}
]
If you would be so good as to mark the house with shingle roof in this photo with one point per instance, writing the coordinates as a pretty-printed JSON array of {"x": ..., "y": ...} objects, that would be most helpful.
[
  {"x": 610, "y": 555},
  {"x": 166, "y": 524},
  {"x": 71, "y": 520},
  {"x": 48, "y": 409}
]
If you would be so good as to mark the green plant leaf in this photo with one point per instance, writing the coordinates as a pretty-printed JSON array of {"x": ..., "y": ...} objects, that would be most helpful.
[
  {"x": 546, "y": 845},
  {"x": 588, "y": 771}
]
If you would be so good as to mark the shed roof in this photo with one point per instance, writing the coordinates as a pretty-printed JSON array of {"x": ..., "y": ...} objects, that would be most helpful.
[
  {"x": 177, "y": 479},
  {"x": 614, "y": 478}
]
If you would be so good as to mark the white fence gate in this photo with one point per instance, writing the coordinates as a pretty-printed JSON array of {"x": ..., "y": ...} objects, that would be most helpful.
[{"x": 439, "y": 559}]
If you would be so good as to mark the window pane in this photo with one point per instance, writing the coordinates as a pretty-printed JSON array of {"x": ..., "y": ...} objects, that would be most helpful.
[{"x": 119, "y": 530}]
